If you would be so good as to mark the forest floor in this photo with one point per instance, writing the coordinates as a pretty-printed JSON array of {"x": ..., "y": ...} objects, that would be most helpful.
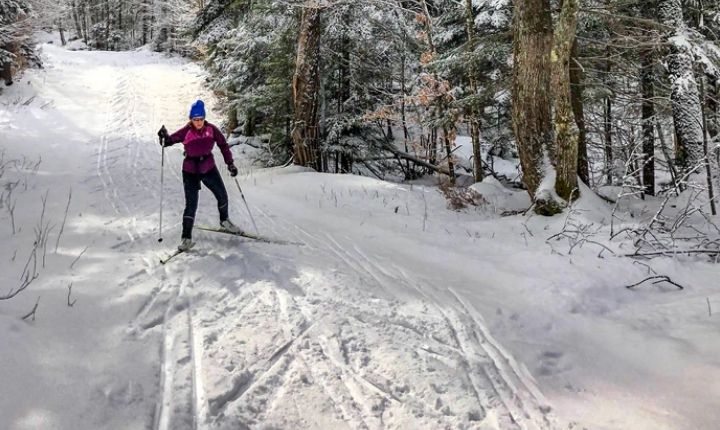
[{"x": 388, "y": 310}]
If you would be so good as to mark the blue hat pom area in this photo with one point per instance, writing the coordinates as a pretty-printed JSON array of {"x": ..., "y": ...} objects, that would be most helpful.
[{"x": 197, "y": 109}]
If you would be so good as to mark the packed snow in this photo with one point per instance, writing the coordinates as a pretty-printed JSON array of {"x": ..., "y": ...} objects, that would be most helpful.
[{"x": 387, "y": 310}]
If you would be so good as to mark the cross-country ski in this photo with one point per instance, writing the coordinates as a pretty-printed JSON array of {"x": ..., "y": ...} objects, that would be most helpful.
[
  {"x": 248, "y": 235},
  {"x": 165, "y": 260}
]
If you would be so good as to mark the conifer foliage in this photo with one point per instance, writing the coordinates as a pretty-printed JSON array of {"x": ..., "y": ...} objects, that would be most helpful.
[
  {"x": 620, "y": 93},
  {"x": 15, "y": 38}
]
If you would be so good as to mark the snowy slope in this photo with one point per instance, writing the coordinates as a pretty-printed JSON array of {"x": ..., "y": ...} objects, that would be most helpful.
[{"x": 394, "y": 312}]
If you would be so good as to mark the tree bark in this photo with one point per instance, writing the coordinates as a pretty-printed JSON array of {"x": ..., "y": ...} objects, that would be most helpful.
[
  {"x": 647, "y": 79},
  {"x": 145, "y": 22},
  {"x": 531, "y": 99},
  {"x": 232, "y": 119},
  {"x": 249, "y": 124},
  {"x": 576, "y": 95},
  {"x": 440, "y": 102},
  {"x": 107, "y": 25},
  {"x": 706, "y": 152},
  {"x": 305, "y": 86},
  {"x": 61, "y": 30},
  {"x": 687, "y": 116},
  {"x": 473, "y": 117},
  {"x": 712, "y": 104},
  {"x": 713, "y": 126},
  {"x": 409, "y": 174},
  {"x": 607, "y": 129},
  {"x": 6, "y": 67},
  {"x": 566, "y": 134},
  {"x": 76, "y": 19},
  {"x": 86, "y": 31}
]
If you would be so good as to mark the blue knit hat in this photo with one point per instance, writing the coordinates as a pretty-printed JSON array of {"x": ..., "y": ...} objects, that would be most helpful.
[{"x": 197, "y": 109}]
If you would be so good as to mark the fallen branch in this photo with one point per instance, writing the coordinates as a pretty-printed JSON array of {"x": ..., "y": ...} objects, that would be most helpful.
[
  {"x": 661, "y": 278},
  {"x": 418, "y": 161},
  {"x": 674, "y": 251},
  {"x": 650, "y": 269}
]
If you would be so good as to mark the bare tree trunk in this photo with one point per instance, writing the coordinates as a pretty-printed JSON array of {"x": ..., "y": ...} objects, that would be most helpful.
[
  {"x": 684, "y": 96},
  {"x": 145, "y": 22},
  {"x": 61, "y": 30},
  {"x": 409, "y": 174},
  {"x": 708, "y": 170},
  {"x": 448, "y": 154},
  {"x": 289, "y": 147},
  {"x": 107, "y": 25},
  {"x": 607, "y": 128},
  {"x": 531, "y": 98},
  {"x": 250, "y": 121},
  {"x": 713, "y": 126},
  {"x": 119, "y": 17},
  {"x": 82, "y": 15},
  {"x": 6, "y": 67},
  {"x": 441, "y": 107},
  {"x": 566, "y": 134},
  {"x": 306, "y": 85},
  {"x": 576, "y": 95},
  {"x": 648, "y": 113},
  {"x": 713, "y": 104},
  {"x": 712, "y": 107},
  {"x": 432, "y": 134},
  {"x": 432, "y": 146},
  {"x": 344, "y": 90},
  {"x": 76, "y": 19},
  {"x": 474, "y": 117},
  {"x": 232, "y": 119}
]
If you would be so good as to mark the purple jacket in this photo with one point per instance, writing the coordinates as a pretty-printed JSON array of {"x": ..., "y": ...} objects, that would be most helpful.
[{"x": 198, "y": 147}]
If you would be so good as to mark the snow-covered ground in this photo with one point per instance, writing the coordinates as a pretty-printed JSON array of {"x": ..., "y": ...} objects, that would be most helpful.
[{"x": 394, "y": 312}]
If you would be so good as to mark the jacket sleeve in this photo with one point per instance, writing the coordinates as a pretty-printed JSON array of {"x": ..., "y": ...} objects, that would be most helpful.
[
  {"x": 179, "y": 135},
  {"x": 222, "y": 144}
]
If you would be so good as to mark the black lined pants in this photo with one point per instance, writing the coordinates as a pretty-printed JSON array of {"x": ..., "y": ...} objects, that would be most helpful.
[{"x": 191, "y": 182}]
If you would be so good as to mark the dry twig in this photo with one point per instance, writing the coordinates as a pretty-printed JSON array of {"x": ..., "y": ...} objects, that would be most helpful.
[
  {"x": 70, "y": 303},
  {"x": 657, "y": 280},
  {"x": 33, "y": 311}
]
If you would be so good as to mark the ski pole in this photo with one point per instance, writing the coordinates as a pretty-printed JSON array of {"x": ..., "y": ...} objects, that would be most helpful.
[
  {"x": 246, "y": 206},
  {"x": 162, "y": 177}
]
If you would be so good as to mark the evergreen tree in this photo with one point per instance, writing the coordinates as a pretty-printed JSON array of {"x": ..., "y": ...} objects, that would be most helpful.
[{"x": 15, "y": 45}]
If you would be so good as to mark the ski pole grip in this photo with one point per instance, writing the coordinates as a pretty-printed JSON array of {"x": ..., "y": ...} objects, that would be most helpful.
[{"x": 162, "y": 135}]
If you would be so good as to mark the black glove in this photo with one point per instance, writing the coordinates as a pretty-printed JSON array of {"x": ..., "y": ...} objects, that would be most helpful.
[
  {"x": 164, "y": 136},
  {"x": 233, "y": 170}
]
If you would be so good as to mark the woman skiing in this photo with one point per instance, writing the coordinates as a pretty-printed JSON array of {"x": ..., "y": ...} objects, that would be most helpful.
[{"x": 198, "y": 138}]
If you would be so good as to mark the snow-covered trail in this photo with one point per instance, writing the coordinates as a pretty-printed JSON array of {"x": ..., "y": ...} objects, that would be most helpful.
[
  {"x": 237, "y": 334},
  {"x": 385, "y": 317},
  {"x": 88, "y": 121}
]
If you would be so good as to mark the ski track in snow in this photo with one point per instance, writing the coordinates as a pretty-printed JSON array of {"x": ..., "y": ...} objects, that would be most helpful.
[
  {"x": 487, "y": 365},
  {"x": 319, "y": 336},
  {"x": 182, "y": 402}
]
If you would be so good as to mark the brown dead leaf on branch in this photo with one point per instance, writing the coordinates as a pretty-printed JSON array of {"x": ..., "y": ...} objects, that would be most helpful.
[
  {"x": 426, "y": 58},
  {"x": 382, "y": 113}
]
